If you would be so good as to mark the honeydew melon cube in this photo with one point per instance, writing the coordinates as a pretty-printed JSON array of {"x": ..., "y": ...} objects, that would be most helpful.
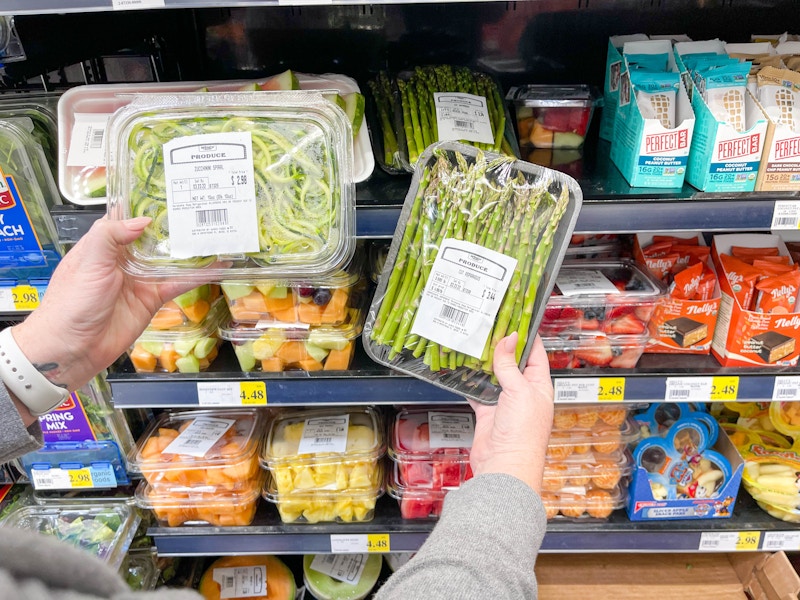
[
  {"x": 153, "y": 348},
  {"x": 316, "y": 352},
  {"x": 188, "y": 364},
  {"x": 244, "y": 353},
  {"x": 184, "y": 347},
  {"x": 234, "y": 291}
]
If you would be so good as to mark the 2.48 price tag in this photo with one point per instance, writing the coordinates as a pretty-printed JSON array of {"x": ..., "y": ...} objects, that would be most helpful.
[{"x": 724, "y": 388}]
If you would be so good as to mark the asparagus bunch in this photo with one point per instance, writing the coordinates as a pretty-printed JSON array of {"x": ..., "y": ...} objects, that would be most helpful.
[
  {"x": 483, "y": 202},
  {"x": 385, "y": 103},
  {"x": 420, "y": 126}
]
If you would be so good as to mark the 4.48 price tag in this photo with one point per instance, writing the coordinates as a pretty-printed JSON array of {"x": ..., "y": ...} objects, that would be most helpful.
[
  {"x": 378, "y": 542},
  {"x": 253, "y": 393},
  {"x": 232, "y": 393}
]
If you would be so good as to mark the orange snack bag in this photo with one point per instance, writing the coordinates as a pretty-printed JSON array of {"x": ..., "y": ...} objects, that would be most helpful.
[
  {"x": 701, "y": 253},
  {"x": 778, "y": 294},
  {"x": 770, "y": 269},
  {"x": 742, "y": 277},
  {"x": 778, "y": 260},
  {"x": 655, "y": 250},
  {"x": 743, "y": 252},
  {"x": 690, "y": 241},
  {"x": 685, "y": 284},
  {"x": 708, "y": 282}
]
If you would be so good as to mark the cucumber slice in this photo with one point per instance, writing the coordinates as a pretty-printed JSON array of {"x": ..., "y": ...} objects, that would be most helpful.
[
  {"x": 354, "y": 107},
  {"x": 244, "y": 353},
  {"x": 316, "y": 352},
  {"x": 204, "y": 347},
  {"x": 188, "y": 364}
]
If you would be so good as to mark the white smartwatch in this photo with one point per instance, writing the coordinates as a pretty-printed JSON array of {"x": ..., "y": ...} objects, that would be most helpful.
[{"x": 23, "y": 380}]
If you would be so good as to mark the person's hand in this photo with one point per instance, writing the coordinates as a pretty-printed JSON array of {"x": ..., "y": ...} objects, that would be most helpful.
[
  {"x": 511, "y": 437},
  {"x": 93, "y": 311}
]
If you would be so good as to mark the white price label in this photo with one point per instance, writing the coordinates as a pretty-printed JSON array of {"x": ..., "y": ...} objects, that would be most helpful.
[
  {"x": 573, "y": 282},
  {"x": 688, "y": 389},
  {"x": 450, "y": 430},
  {"x": 242, "y": 582},
  {"x": 462, "y": 117},
  {"x": 786, "y": 215},
  {"x": 87, "y": 144},
  {"x": 585, "y": 389},
  {"x": 342, "y": 567},
  {"x": 136, "y": 4},
  {"x": 463, "y": 294},
  {"x": 787, "y": 387},
  {"x": 211, "y": 198},
  {"x": 50, "y": 479},
  {"x": 348, "y": 544},
  {"x": 218, "y": 393},
  {"x": 324, "y": 434},
  {"x": 199, "y": 437},
  {"x": 6, "y": 300},
  {"x": 781, "y": 540}
]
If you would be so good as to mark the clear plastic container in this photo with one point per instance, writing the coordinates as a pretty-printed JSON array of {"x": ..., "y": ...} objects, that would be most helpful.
[
  {"x": 600, "y": 439},
  {"x": 187, "y": 349},
  {"x": 415, "y": 502},
  {"x": 105, "y": 530},
  {"x": 189, "y": 308},
  {"x": 607, "y": 251},
  {"x": 378, "y": 251},
  {"x": 603, "y": 471},
  {"x": 29, "y": 245},
  {"x": 296, "y": 347},
  {"x": 590, "y": 351},
  {"x": 140, "y": 569},
  {"x": 226, "y": 455},
  {"x": 553, "y": 116},
  {"x": 584, "y": 502},
  {"x": 40, "y": 108},
  {"x": 293, "y": 217},
  {"x": 312, "y": 301},
  {"x": 202, "y": 505},
  {"x": 323, "y": 586},
  {"x": 326, "y": 506},
  {"x": 587, "y": 416},
  {"x": 615, "y": 297},
  {"x": 431, "y": 446},
  {"x": 324, "y": 450}
]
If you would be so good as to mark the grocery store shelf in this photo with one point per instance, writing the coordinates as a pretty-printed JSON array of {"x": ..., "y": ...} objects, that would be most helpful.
[{"x": 618, "y": 534}]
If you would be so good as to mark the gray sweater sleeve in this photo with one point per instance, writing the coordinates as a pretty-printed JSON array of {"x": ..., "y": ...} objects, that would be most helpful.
[
  {"x": 15, "y": 439},
  {"x": 486, "y": 542}
]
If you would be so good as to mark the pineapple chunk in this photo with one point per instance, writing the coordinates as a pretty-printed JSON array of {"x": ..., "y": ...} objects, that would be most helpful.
[
  {"x": 360, "y": 438},
  {"x": 344, "y": 509},
  {"x": 360, "y": 511},
  {"x": 341, "y": 476},
  {"x": 283, "y": 480},
  {"x": 304, "y": 480},
  {"x": 325, "y": 476},
  {"x": 361, "y": 475}
]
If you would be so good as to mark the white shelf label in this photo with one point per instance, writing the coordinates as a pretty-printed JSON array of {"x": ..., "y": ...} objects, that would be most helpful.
[
  {"x": 787, "y": 387},
  {"x": 87, "y": 145},
  {"x": 462, "y": 117},
  {"x": 241, "y": 582},
  {"x": 781, "y": 540},
  {"x": 324, "y": 434},
  {"x": 786, "y": 215},
  {"x": 360, "y": 543},
  {"x": 136, "y": 4},
  {"x": 199, "y": 437},
  {"x": 342, "y": 567},
  {"x": 729, "y": 541},
  {"x": 580, "y": 390},
  {"x": 688, "y": 389},
  {"x": 450, "y": 430},
  {"x": 94, "y": 476}
]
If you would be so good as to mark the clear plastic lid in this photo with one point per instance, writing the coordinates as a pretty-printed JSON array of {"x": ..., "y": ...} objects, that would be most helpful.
[
  {"x": 198, "y": 439},
  {"x": 103, "y": 460},
  {"x": 40, "y": 109},
  {"x": 601, "y": 438},
  {"x": 416, "y": 502},
  {"x": 584, "y": 502},
  {"x": 359, "y": 579},
  {"x": 378, "y": 251},
  {"x": 603, "y": 471},
  {"x": 553, "y": 96},
  {"x": 105, "y": 530},
  {"x": 441, "y": 434},
  {"x": 280, "y": 205},
  {"x": 590, "y": 351},
  {"x": 610, "y": 282},
  {"x": 83, "y": 496},
  {"x": 140, "y": 569}
]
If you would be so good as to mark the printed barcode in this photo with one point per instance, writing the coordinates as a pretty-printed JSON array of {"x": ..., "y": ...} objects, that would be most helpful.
[
  {"x": 44, "y": 481},
  {"x": 567, "y": 394},
  {"x": 228, "y": 582},
  {"x": 787, "y": 393},
  {"x": 786, "y": 221},
  {"x": 97, "y": 138},
  {"x": 710, "y": 543},
  {"x": 453, "y": 314},
  {"x": 217, "y": 216},
  {"x": 673, "y": 394},
  {"x": 192, "y": 442},
  {"x": 465, "y": 124},
  {"x": 451, "y": 436},
  {"x": 325, "y": 440},
  {"x": 589, "y": 284}
]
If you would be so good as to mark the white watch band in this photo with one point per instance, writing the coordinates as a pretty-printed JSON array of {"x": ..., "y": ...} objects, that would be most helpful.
[{"x": 32, "y": 388}]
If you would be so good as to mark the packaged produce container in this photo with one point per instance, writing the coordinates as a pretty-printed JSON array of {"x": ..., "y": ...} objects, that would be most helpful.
[
  {"x": 202, "y": 504},
  {"x": 342, "y": 576},
  {"x": 603, "y": 471},
  {"x": 601, "y": 438},
  {"x": 296, "y": 347},
  {"x": 615, "y": 297},
  {"x": 584, "y": 502},
  {"x": 190, "y": 348},
  {"x": 587, "y": 351},
  {"x": 568, "y": 417},
  {"x": 280, "y": 205},
  {"x": 324, "y": 449},
  {"x": 553, "y": 116},
  {"x": 200, "y": 448},
  {"x": 189, "y": 308},
  {"x": 431, "y": 446},
  {"x": 40, "y": 110},
  {"x": 354, "y": 505},
  {"x": 140, "y": 569},
  {"x": 608, "y": 251},
  {"x": 437, "y": 327},
  {"x": 309, "y": 302},
  {"x": 378, "y": 251},
  {"x": 105, "y": 530},
  {"x": 416, "y": 502}
]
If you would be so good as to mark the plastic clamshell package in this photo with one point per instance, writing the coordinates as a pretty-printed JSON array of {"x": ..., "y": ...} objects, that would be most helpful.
[
  {"x": 584, "y": 502},
  {"x": 309, "y": 301},
  {"x": 204, "y": 505},
  {"x": 553, "y": 116},
  {"x": 415, "y": 502},
  {"x": 105, "y": 530},
  {"x": 77, "y": 455},
  {"x": 40, "y": 108},
  {"x": 326, "y": 506},
  {"x": 355, "y": 468},
  {"x": 625, "y": 311},
  {"x": 140, "y": 570},
  {"x": 463, "y": 380},
  {"x": 585, "y": 416},
  {"x": 588, "y": 351},
  {"x": 277, "y": 349},
  {"x": 603, "y": 471},
  {"x": 187, "y": 309},
  {"x": 187, "y": 349},
  {"x": 305, "y": 200},
  {"x": 231, "y": 463},
  {"x": 601, "y": 438},
  {"x": 378, "y": 251}
]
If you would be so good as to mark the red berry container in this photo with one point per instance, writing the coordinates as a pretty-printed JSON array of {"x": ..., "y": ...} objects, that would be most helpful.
[{"x": 591, "y": 351}]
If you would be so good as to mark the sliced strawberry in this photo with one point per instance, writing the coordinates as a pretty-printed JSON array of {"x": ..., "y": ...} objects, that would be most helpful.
[
  {"x": 627, "y": 360},
  {"x": 552, "y": 313},
  {"x": 588, "y": 324},
  {"x": 627, "y": 325},
  {"x": 559, "y": 359},
  {"x": 644, "y": 312},
  {"x": 595, "y": 352},
  {"x": 614, "y": 312},
  {"x": 569, "y": 313}
]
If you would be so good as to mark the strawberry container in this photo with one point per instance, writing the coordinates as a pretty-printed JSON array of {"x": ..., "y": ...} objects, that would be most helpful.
[
  {"x": 584, "y": 502},
  {"x": 415, "y": 502},
  {"x": 601, "y": 438},
  {"x": 615, "y": 297},
  {"x": 603, "y": 471},
  {"x": 587, "y": 351}
]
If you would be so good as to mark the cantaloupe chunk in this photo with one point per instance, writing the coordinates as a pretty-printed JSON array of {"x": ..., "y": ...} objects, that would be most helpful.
[
  {"x": 151, "y": 448},
  {"x": 197, "y": 312},
  {"x": 292, "y": 352},
  {"x": 241, "y": 313},
  {"x": 309, "y": 313},
  {"x": 336, "y": 309},
  {"x": 287, "y": 315},
  {"x": 254, "y": 301},
  {"x": 339, "y": 360},
  {"x": 279, "y": 304},
  {"x": 272, "y": 365},
  {"x": 167, "y": 317},
  {"x": 541, "y": 137},
  {"x": 524, "y": 127},
  {"x": 309, "y": 364},
  {"x": 142, "y": 360},
  {"x": 166, "y": 432},
  {"x": 168, "y": 359}
]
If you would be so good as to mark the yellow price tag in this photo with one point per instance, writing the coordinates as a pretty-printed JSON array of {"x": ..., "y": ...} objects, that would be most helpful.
[
  {"x": 724, "y": 388},
  {"x": 611, "y": 389},
  {"x": 378, "y": 542},
  {"x": 80, "y": 478},
  {"x": 253, "y": 393},
  {"x": 748, "y": 540},
  {"x": 25, "y": 297}
]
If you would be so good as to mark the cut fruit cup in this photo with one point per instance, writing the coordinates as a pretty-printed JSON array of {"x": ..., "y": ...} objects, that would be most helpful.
[
  {"x": 587, "y": 351},
  {"x": 296, "y": 346},
  {"x": 589, "y": 415},
  {"x": 190, "y": 307},
  {"x": 344, "y": 457},
  {"x": 584, "y": 502},
  {"x": 603, "y": 471},
  {"x": 190, "y": 348},
  {"x": 207, "y": 505},
  {"x": 320, "y": 301},
  {"x": 415, "y": 502},
  {"x": 600, "y": 439},
  {"x": 230, "y": 464}
]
